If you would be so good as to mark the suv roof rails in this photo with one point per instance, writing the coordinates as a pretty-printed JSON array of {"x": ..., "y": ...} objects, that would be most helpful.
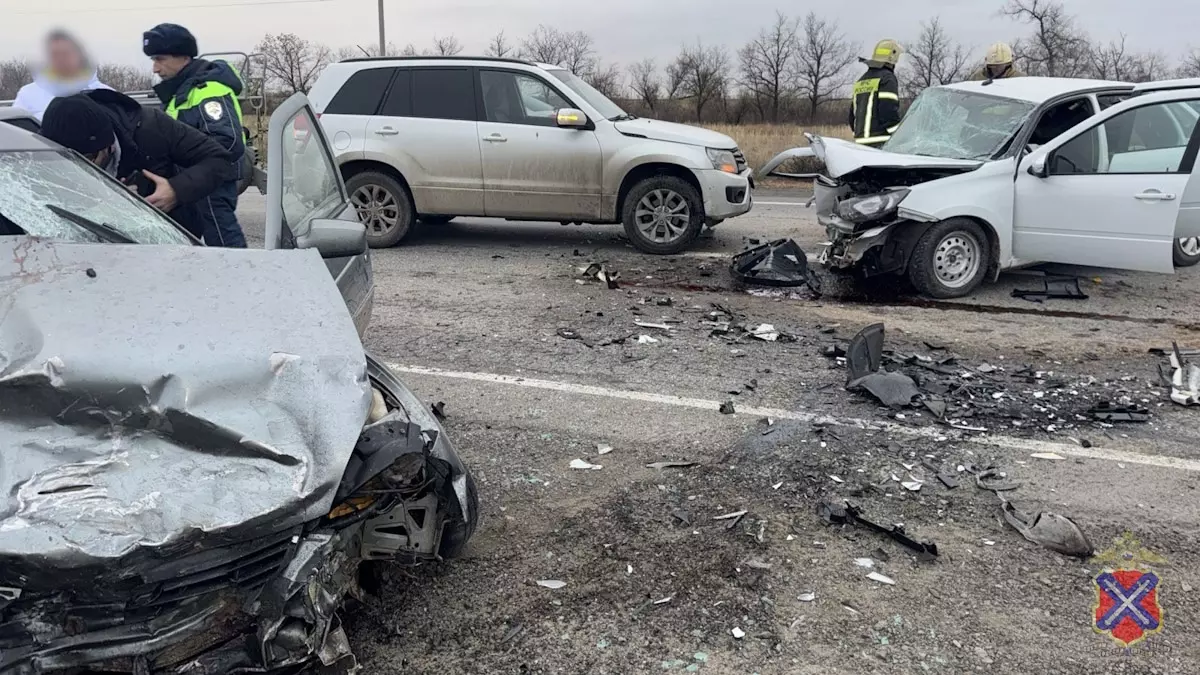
[
  {"x": 1167, "y": 85},
  {"x": 360, "y": 59}
]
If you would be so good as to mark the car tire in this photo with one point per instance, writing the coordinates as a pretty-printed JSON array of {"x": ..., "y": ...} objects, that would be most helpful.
[
  {"x": 384, "y": 207},
  {"x": 436, "y": 220},
  {"x": 1186, "y": 252},
  {"x": 950, "y": 260},
  {"x": 459, "y": 532},
  {"x": 663, "y": 215}
]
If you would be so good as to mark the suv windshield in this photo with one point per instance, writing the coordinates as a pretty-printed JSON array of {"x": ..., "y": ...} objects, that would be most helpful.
[
  {"x": 587, "y": 92},
  {"x": 956, "y": 124},
  {"x": 38, "y": 187}
]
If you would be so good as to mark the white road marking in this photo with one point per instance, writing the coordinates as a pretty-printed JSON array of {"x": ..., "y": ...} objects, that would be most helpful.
[
  {"x": 1009, "y": 442},
  {"x": 758, "y": 203}
]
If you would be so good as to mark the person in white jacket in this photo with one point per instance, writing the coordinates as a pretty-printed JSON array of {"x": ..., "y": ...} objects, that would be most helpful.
[{"x": 67, "y": 72}]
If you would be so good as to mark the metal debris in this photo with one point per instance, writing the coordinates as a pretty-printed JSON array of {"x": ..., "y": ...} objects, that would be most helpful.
[
  {"x": 1185, "y": 378},
  {"x": 1105, "y": 411},
  {"x": 779, "y": 263},
  {"x": 1056, "y": 532},
  {"x": 847, "y": 514}
]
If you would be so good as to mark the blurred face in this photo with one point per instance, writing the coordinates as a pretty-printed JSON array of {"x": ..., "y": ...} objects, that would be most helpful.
[
  {"x": 167, "y": 67},
  {"x": 100, "y": 159},
  {"x": 64, "y": 58}
]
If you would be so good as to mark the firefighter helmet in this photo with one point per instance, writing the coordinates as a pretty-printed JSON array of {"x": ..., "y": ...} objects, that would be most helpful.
[
  {"x": 999, "y": 54},
  {"x": 887, "y": 51}
]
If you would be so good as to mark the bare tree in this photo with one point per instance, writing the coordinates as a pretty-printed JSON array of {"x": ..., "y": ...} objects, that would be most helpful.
[
  {"x": 361, "y": 51},
  {"x": 446, "y": 46},
  {"x": 544, "y": 45},
  {"x": 499, "y": 46},
  {"x": 703, "y": 71},
  {"x": 674, "y": 81},
  {"x": 643, "y": 80},
  {"x": 1057, "y": 47},
  {"x": 409, "y": 50},
  {"x": 292, "y": 62},
  {"x": 14, "y": 74},
  {"x": 1191, "y": 65},
  {"x": 605, "y": 79},
  {"x": 766, "y": 64},
  {"x": 825, "y": 55},
  {"x": 578, "y": 53},
  {"x": 1115, "y": 61},
  {"x": 125, "y": 78},
  {"x": 933, "y": 59}
]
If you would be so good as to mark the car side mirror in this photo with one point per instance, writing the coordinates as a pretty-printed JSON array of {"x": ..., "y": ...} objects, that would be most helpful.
[
  {"x": 571, "y": 118},
  {"x": 335, "y": 238},
  {"x": 1037, "y": 167}
]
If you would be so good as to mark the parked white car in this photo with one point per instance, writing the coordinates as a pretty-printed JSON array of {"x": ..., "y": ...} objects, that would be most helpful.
[
  {"x": 432, "y": 138},
  {"x": 986, "y": 176}
]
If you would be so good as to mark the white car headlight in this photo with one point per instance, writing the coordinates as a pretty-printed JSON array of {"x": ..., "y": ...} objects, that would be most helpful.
[
  {"x": 722, "y": 160},
  {"x": 870, "y": 207}
]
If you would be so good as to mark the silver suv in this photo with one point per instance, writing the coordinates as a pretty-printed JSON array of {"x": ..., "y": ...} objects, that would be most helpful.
[{"x": 432, "y": 138}]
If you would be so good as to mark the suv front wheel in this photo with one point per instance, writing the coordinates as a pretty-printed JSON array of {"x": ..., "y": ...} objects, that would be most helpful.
[
  {"x": 663, "y": 214},
  {"x": 383, "y": 206}
]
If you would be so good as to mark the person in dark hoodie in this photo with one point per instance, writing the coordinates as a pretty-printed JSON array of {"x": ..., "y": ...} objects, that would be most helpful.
[
  {"x": 203, "y": 95},
  {"x": 175, "y": 167}
]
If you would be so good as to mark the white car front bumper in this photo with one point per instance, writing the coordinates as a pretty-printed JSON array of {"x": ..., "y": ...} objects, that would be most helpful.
[{"x": 725, "y": 195}]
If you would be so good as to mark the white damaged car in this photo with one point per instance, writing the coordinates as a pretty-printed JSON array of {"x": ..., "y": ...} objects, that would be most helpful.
[{"x": 986, "y": 176}]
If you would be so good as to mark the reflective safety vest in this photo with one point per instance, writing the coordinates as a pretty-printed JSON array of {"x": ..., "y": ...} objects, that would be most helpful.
[
  {"x": 201, "y": 93},
  {"x": 875, "y": 106}
]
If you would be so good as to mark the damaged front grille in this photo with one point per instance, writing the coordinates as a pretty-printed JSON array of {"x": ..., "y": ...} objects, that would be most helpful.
[
  {"x": 739, "y": 159},
  {"x": 168, "y": 592}
]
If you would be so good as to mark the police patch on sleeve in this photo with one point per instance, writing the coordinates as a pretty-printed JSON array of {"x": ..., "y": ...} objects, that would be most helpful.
[{"x": 214, "y": 110}]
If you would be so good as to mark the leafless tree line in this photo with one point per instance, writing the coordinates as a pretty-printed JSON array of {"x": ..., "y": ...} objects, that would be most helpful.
[{"x": 796, "y": 69}]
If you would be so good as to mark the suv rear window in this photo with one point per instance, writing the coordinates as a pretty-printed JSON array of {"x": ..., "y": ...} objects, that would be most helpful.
[
  {"x": 443, "y": 93},
  {"x": 361, "y": 94}
]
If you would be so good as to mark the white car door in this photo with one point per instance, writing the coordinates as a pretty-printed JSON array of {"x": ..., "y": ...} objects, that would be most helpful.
[{"x": 1108, "y": 192}]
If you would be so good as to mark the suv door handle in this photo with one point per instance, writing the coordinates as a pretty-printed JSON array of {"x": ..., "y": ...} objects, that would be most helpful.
[
  {"x": 1155, "y": 196},
  {"x": 495, "y": 138},
  {"x": 386, "y": 131}
]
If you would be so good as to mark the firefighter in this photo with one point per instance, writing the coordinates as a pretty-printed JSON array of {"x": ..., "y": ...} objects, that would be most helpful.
[
  {"x": 203, "y": 95},
  {"x": 875, "y": 105},
  {"x": 997, "y": 64}
]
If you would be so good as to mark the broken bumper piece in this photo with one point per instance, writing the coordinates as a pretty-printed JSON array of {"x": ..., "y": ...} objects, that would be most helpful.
[{"x": 779, "y": 263}]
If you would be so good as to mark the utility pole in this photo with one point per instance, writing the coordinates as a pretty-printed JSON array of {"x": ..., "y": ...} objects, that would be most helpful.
[{"x": 382, "y": 37}]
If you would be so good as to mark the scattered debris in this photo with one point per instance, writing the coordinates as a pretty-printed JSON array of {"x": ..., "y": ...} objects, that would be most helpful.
[
  {"x": 865, "y": 353},
  {"x": 1105, "y": 411},
  {"x": 779, "y": 263},
  {"x": 876, "y": 576},
  {"x": 738, "y": 633},
  {"x": 847, "y": 514},
  {"x": 864, "y": 562},
  {"x": 756, "y": 564},
  {"x": 733, "y": 518},
  {"x": 646, "y": 340},
  {"x": 912, "y": 485},
  {"x": 895, "y": 390},
  {"x": 658, "y": 326},
  {"x": 727, "y": 408},
  {"x": 585, "y": 465},
  {"x": 439, "y": 410},
  {"x": 567, "y": 334},
  {"x": 602, "y": 449},
  {"x": 1057, "y": 533},
  {"x": 777, "y": 485},
  {"x": 552, "y": 584},
  {"x": 836, "y": 479},
  {"x": 600, "y": 273},
  {"x": 1063, "y": 288},
  {"x": 765, "y": 332},
  {"x": 670, "y": 465},
  {"x": 995, "y": 480},
  {"x": 807, "y": 597},
  {"x": 949, "y": 480},
  {"x": 1185, "y": 380},
  {"x": 1047, "y": 455},
  {"x": 682, "y": 516},
  {"x": 663, "y": 601}
]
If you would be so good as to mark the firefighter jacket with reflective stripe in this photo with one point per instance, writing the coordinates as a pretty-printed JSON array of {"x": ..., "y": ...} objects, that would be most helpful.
[
  {"x": 875, "y": 106},
  {"x": 204, "y": 95}
]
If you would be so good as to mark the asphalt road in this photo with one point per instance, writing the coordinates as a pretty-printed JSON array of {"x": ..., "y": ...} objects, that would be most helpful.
[{"x": 471, "y": 313}]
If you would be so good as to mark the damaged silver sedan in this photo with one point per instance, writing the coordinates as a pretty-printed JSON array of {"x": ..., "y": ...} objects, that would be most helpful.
[
  {"x": 193, "y": 478},
  {"x": 986, "y": 176}
]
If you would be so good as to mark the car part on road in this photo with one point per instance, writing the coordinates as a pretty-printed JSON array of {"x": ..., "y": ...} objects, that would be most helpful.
[
  {"x": 727, "y": 408},
  {"x": 1059, "y": 288},
  {"x": 1051, "y": 530},
  {"x": 994, "y": 480},
  {"x": 670, "y": 465},
  {"x": 780, "y": 263},
  {"x": 950, "y": 259},
  {"x": 384, "y": 207},
  {"x": 1185, "y": 380},
  {"x": 1186, "y": 252},
  {"x": 1106, "y": 411},
  {"x": 601, "y": 273},
  {"x": 895, "y": 390},
  {"x": 663, "y": 215},
  {"x": 865, "y": 352},
  {"x": 851, "y": 515}
]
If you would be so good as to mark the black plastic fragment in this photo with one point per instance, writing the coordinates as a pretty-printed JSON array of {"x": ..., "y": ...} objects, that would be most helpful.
[
  {"x": 778, "y": 263},
  {"x": 439, "y": 410},
  {"x": 865, "y": 352},
  {"x": 1061, "y": 288},
  {"x": 848, "y": 514},
  {"x": 1105, "y": 411},
  {"x": 895, "y": 390}
]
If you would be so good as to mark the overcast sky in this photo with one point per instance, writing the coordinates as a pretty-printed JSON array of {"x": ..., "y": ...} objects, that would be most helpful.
[{"x": 624, "y": 30}]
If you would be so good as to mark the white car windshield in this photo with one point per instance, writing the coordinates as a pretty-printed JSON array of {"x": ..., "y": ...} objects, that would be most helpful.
[
  {"x": 47, "y": 193},
  {"x": 955, "y": 124},
  {"x": 603, "y": 105}
]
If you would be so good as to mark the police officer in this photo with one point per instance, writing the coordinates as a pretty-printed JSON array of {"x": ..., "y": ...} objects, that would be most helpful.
[
  {"x": 203, "y": 95},
  {"x": 875, "y": 106},
  {"x": 997, "y": 63}
]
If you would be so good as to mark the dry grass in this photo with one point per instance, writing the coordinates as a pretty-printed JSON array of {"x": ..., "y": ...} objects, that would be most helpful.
[{"x": 761, "y": 142}]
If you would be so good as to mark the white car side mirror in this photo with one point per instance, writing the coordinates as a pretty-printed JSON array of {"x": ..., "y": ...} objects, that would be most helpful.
[{"x": 1037, "y": 166}]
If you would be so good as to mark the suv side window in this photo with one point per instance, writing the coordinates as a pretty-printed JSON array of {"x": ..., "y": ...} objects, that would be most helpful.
[
  {"x": 515, "y": 98},
  {"x": 361, "y": 94},
  {"x": 443, "y": 93},
  {"x": 399, "y": 97}
]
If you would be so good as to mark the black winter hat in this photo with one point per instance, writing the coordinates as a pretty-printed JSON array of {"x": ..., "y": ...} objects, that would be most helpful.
[
  {"x": 169, "y": 39},
  {"x": 79, "y": 123}
]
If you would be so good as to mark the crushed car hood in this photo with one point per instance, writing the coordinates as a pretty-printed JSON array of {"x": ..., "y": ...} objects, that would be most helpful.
[
  {"x": 671, "y": 132},
  {"x": 163, "y": 396},
  {"x": 842, "y": 158}
]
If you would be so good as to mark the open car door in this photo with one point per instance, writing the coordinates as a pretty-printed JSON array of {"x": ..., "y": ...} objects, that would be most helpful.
[
  {"x": 307, "y": 206},
  {"x": 1109, "y": 192}
]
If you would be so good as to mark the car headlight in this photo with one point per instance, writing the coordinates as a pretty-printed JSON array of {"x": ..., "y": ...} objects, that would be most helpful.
[
  {"x": 722, "y": 160},
  {"x": 871, "y": 207}
]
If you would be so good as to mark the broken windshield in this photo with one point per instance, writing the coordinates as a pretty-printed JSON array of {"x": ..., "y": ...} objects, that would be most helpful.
[
  {"x": 955, "y": 124},
  {"x": 32, "y": 182}
]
